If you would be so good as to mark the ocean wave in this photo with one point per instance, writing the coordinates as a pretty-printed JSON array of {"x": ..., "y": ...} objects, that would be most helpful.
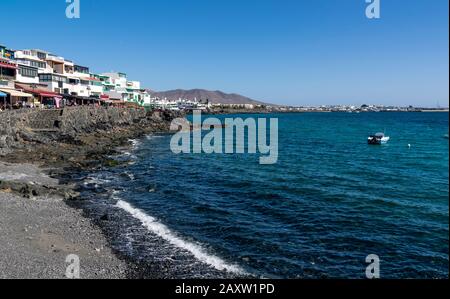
[
  {"x": 152, "y": 136},
  {"x": 129, "y": 155},
  {"x": 97, "y": 181},
  {"x": 164, "y": 232}
]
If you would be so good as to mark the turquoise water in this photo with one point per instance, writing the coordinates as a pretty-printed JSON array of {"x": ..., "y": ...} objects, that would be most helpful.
[{"x": 329, "y": 202}]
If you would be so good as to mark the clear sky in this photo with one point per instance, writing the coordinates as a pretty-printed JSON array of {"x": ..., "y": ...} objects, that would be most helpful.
[{"x": 296, "y": 52}]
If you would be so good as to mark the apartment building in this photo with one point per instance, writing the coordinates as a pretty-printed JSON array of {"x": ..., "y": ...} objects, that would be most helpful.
[{"x": 37, "y": 71}]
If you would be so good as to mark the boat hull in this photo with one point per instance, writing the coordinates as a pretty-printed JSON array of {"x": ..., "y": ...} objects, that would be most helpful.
[{"x": 378, "y": 141}]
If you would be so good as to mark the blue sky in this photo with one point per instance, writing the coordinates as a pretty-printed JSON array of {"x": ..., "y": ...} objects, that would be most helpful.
[{"x": 297, "y": 52}]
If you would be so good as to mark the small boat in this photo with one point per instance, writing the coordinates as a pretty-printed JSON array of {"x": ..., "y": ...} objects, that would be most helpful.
[{"x": 378, "y": 139}]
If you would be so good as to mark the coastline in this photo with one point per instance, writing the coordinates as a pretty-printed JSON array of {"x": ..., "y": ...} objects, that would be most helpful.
[
  {"x": 288, "y": 111},
  {"x": 47, "y": 212},
  {"x": 39, "y": 226},
  {"x": 43, "y": 212},
  {"x": 38, "y": 231}
]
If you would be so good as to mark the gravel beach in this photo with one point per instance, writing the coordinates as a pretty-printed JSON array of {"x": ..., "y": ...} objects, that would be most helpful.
[
  {"x": 38, "y": 233},
  {"x": 38, "y": 228},
  {"x": 43, "y": 215}
]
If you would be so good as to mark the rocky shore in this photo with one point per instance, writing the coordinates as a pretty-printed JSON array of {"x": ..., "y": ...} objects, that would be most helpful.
[
  {"x": 74, "y": 137},
  {"x": 38, "y": 228}
]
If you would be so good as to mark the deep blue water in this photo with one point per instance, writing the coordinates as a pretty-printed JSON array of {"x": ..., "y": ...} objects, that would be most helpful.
[{"x": 330, "y": 201}]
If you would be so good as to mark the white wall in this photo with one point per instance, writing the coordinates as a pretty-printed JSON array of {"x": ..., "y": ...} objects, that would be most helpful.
[
  {"x": 96, "y": 90},
  {"x": 28, "y": 80}
]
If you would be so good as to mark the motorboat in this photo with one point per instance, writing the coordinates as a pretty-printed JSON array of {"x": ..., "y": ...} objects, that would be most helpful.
[{"x": 378, "y": 139}]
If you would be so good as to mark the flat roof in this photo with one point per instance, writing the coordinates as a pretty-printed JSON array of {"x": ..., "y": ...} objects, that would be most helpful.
[{"x": 39, "y": 50}]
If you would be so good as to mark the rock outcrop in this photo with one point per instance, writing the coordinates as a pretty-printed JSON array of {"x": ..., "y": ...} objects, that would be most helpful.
[{"x": 21, "y": 129}]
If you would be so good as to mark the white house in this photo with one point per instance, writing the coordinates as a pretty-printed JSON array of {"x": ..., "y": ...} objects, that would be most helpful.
[
  {"x": 27, "y": 74},
  {"x": 95, "y": 86},
  {"x": 31, "y": 63},
  {"x": 56, "y": 83},
  {"x": 117, "y": 82},
  {"x": 34, "y": 58}
]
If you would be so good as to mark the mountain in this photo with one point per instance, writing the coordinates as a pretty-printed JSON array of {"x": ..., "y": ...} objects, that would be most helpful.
[{"x": 215, "y": 97}]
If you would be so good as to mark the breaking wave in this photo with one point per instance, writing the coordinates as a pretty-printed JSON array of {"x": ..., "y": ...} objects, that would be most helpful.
[{"x": 164, "y": 232}]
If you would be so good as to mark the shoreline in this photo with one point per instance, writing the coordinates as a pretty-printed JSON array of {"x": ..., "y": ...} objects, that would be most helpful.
[
  {"x": 63, "y": 158},
  {"x": 39, "y": 230},
  {"x": 238, "y": 111},
  {"x": 38, "y": 177}
]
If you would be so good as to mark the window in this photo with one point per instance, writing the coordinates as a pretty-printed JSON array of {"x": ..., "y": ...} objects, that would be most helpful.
[
  {"x": 45, "y": 78},
  {"x": 68, "y": 69},
  {"x": 58, "y": 79},
  {"x": 81, "y": 69},
  {"x": 38, "y": 64},
  {"x": 7, "y": 72},
  {"x": 52, "y": 78},
  {"x": 28, "y": 72},
  {"x": 41, "y": 55}
]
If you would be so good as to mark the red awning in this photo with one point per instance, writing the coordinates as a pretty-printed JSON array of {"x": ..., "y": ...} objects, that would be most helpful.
[
  {"x": 47, "y": 94},
  {"x": 104, "y": 96},
  {"x": 39, "y": 92},
  {"x": 8, "y": 65}
]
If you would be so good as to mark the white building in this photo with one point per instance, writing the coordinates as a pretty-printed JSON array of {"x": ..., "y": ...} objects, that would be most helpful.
[
  {"x": 59, "y": 75},
  {"x": 116, "y": 83},
  {"x": 131, "y": 91},
  {"x": 147, "y": 98},
  {"x": 56, "y": 83},
  {"x": 26, "y": 73},
  {"x": 34, "y": 58},
  {"x": 135, "y": 93},
  {"x": 31, "y": 63},
  {"x": 95, "y": 86}
]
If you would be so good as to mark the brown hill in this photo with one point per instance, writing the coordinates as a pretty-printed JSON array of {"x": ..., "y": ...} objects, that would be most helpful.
[{"x": 215, "y": 97}]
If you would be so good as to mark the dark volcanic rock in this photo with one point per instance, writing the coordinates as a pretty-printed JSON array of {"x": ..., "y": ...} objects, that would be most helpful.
[{"x": 76, "y": 136}]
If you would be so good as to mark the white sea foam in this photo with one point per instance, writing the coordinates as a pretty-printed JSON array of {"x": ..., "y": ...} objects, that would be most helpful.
[
  {"x": 130, "y": 175},
  {"x": 97, "y": 181},
  {"x": 151, "y": 136},
  {"x": 128, "y": 154},
  {"x": 164, "y": 232},
  {"x": 136, "y": 143}
]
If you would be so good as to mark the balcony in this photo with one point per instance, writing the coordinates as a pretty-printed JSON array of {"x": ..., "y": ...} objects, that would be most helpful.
[
  {"x": 55, "y": 59},
  {"x": 24, "y": 62},
  {"x": 7, "y": 78}
]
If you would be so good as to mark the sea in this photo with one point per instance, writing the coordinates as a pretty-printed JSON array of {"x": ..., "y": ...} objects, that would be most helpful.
[{"x": 329, "y": 202}]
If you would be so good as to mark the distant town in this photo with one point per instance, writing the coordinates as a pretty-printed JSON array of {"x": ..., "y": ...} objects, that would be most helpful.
[
  {"x": 362, "y": 108},
  {"x": 35, "y": 78}
]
